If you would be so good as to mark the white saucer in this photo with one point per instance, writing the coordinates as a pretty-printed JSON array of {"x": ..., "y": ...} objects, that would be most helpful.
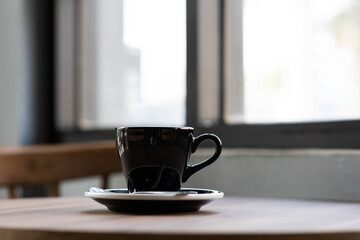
[{"x": 186, "y": 200}]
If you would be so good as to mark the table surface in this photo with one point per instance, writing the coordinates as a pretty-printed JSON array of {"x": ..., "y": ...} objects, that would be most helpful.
[{"x": 227, "y": 218}]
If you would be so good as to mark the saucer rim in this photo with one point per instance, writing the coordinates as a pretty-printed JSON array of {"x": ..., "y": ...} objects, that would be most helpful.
[{"x": 212, "y": 195}]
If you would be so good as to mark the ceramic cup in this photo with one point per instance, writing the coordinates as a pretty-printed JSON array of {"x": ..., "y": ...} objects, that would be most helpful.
[{"x": 157, "y": 158}]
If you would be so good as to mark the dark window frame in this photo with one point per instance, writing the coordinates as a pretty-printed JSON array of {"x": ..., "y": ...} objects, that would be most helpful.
[
  {"x": 38, "y": 117},
  {"x": 331, "y": 134}
]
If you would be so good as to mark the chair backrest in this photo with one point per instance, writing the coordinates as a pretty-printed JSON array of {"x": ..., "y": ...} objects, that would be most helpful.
[{"x": 49, "y": 164}]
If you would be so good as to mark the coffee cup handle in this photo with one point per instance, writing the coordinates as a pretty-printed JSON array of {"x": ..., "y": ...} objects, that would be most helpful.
[{"x": 191, "y": 169}]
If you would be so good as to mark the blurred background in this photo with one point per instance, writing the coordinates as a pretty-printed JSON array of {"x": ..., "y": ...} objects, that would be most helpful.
[{"x": 278, "y": 81}]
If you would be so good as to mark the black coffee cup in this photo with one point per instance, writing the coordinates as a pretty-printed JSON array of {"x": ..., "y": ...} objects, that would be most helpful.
[{"x": 157, "y": 158}]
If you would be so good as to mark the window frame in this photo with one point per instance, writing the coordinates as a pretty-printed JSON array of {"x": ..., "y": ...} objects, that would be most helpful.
[{"x": 331, "y": 134}]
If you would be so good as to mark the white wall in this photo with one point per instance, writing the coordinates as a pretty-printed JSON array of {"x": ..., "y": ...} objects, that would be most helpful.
[
  {"x": 12, "y": 72},
  {"x": 316, "y": 174},
  {"x": 321, "y": 174}
]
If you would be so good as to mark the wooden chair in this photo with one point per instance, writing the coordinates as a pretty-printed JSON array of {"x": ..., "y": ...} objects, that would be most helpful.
[{"x": 52, "y": 163}]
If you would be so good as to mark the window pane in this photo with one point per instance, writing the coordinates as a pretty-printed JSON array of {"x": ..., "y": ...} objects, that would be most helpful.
[
  {"x": 133, "y": 58},
  {"x": 301, "y": 60}
]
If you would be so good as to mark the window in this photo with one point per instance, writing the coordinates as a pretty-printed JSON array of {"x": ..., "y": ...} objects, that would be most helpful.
[
  {"x": 131, "y": 63},
  {"x": 283, "y": 61},
  {"x": 277, "y": 72},
  {"x": 258, "y": 73},
  {"x": 301, "y": 60}
]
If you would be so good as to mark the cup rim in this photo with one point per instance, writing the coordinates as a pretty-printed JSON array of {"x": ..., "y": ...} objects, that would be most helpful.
[{"x": 154, "y": 127}]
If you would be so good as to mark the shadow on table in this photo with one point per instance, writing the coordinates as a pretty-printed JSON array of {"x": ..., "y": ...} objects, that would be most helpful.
[{"x": 107, "y": 212}]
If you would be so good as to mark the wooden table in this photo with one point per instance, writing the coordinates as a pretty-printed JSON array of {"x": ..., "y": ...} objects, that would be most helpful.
[{"x": 228, "y": 218}]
